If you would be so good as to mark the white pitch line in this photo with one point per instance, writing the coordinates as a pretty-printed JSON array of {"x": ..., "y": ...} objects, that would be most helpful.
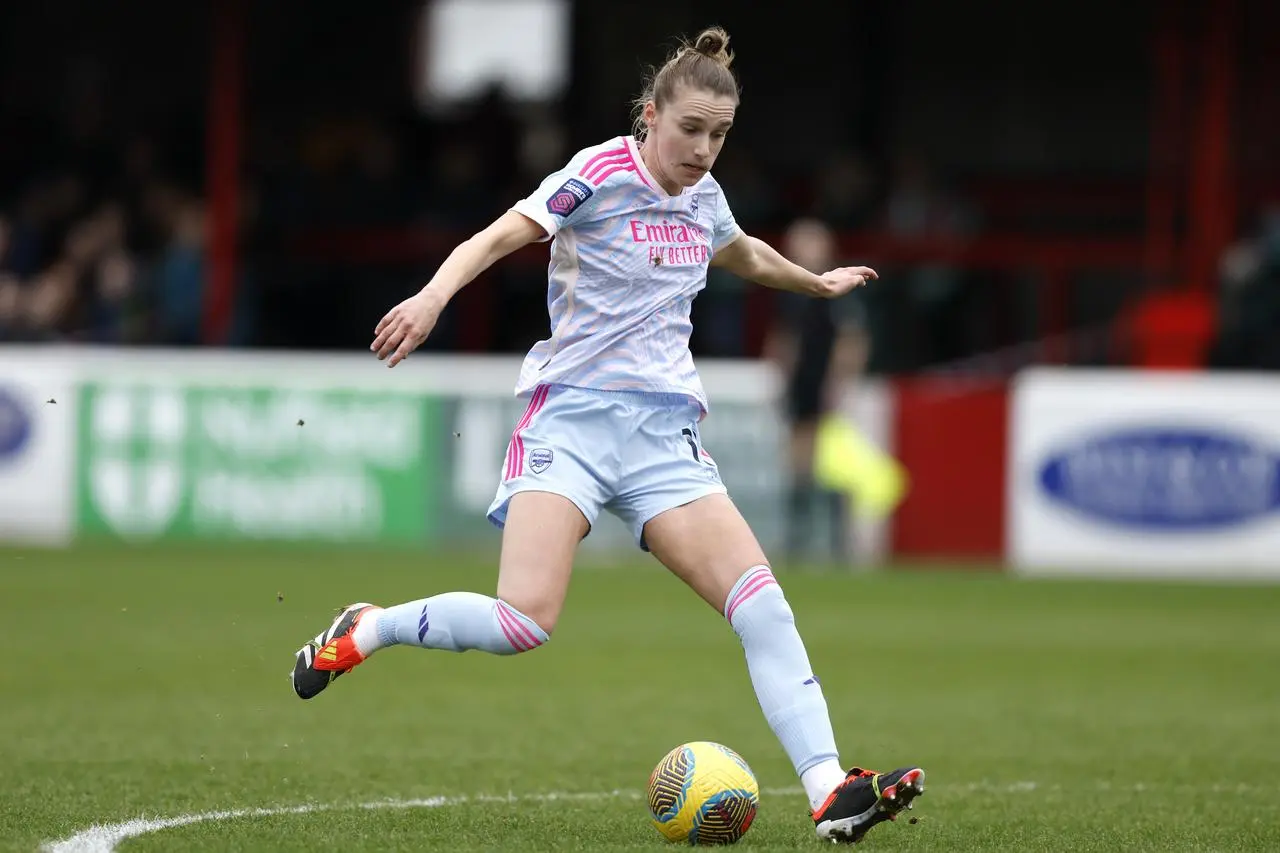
[{"x": 103, "y": 838}]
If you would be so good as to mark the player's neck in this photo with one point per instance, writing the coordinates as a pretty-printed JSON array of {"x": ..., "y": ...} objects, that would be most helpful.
[{"x": 648, "y": 153}]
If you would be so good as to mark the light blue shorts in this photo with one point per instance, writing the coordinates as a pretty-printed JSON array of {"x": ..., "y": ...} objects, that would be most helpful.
[{"x": 632, "y": 453}]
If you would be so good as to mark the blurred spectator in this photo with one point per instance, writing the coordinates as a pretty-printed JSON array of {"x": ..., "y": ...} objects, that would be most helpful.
[
  {"x": 46, "y": 304},
  {"x": 919, "y": 205},
  {"x": 1250, "y": 299},
  {"x": 6, "y": 233},
  {"x": 920, "y": 208},
  {"x": 44, "y": 215},
  {"x": 821, "y": 348},
  {"x": 10, "y": 306},
  {"x": 846, "y": 191},
  {"x": 114, "y": 313},
  {"x": 719, "y": 312},
  {"x": 180, "y": 276}
]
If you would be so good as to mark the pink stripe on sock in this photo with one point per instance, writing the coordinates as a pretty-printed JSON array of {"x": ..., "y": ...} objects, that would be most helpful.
[
  {"x": 515, "y": 449},
  {"x": 602, "y": 155},
  {"x": 750, "y": 578},
  {"x": 508, "y": 630},
  {"x": 750, "y": 588},
  {"x": 520, "y": 627},
  {"x": 750, "y": 585}
]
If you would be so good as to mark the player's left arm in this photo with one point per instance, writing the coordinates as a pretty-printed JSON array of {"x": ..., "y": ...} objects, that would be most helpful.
[{"x": 755, "y": 260}]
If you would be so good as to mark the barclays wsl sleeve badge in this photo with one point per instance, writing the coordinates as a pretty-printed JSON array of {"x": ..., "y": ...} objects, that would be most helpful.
[{"x": 568, "y": 198}]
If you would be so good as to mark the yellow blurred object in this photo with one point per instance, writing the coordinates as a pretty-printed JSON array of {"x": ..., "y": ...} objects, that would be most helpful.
[{"x": 845, "y": 461}]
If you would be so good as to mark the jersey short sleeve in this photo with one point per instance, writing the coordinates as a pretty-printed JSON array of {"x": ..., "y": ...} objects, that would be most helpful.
[
  {"x": 725, "y": 229},
  {"x": 563, "y": 199}
]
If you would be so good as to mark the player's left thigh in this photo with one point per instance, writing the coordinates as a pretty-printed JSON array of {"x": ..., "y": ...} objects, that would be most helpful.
[{"x": 707, "y": 544}]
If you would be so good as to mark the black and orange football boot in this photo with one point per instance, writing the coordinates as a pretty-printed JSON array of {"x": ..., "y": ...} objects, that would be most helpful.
[
  {"x": 330, "y": 654},
  {"x": 864, "y": 799}
]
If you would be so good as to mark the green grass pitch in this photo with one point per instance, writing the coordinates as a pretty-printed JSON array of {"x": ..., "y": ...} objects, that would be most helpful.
[{"x": 1049, "y": 715}]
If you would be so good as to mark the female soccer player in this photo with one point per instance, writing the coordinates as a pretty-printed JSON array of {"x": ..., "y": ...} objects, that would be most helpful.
[{"x": 612, "y": 421}]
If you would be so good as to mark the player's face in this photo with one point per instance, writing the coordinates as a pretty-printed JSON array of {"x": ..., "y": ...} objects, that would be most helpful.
[{"x": 688, "y": 134}]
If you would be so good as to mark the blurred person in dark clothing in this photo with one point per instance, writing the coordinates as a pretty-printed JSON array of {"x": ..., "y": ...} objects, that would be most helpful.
[
  {"x": 1250, "y": 294},
  {"x": 846, "y": 190},
  {"x": 46, "y": 305},
  {"x": 920, "y": 206},
  {"x": 720, "y": 311},
  {"x": 179, "y": 279},
  {"x": 821, "y": 346},
  {"x": 44, "y": 218}
]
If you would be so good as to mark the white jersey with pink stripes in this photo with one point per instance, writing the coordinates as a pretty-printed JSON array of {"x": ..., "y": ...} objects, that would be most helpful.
[{"x": 627, "y": 260}]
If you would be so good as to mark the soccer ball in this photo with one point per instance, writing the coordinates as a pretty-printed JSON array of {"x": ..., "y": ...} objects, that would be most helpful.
[{"x": 703, "y": 793}]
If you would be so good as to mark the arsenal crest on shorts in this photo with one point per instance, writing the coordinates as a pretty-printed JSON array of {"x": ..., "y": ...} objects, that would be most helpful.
[{"x": 540, "y": 460}]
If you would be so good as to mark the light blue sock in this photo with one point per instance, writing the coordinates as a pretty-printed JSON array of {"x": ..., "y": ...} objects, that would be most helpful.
[
  {"x": 456, "y": 622},
  {"x": 788, "y": 691}
]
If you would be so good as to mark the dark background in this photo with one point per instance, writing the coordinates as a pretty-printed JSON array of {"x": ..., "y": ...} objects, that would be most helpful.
[{"x": 1083, "y": 182}]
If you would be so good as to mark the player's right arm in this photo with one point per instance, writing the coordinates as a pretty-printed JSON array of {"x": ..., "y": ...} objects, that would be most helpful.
[
  {"x": 407, "y": 325},
  {"x": 563, "y": 198}
]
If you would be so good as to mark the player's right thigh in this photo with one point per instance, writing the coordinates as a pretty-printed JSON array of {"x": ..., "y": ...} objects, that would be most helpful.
[
  {"x": 559, "y": 470},
  {"x": 539, "y": 542}
]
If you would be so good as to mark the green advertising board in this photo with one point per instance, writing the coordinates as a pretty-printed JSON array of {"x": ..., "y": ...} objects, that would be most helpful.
[
  {"x": 233, "y": 445},
  {"x": 204, "y": 462}
]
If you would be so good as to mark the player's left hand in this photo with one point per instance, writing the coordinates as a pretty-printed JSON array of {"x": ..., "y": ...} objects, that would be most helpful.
[{"x": 840, "y": 281}]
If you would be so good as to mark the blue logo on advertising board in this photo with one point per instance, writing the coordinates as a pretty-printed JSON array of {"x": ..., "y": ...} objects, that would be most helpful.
[
  {"x": 15, "y": 424},
  {"x": 1166, "y": 479}
]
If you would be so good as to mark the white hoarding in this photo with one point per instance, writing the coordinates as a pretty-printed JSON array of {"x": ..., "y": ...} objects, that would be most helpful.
[
  {"x": 37, "y": 449},
  {"x": 1141, "y": 473}
]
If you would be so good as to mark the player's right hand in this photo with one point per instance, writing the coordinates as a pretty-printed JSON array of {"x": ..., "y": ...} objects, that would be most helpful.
[{"x": 406, "y": 326}]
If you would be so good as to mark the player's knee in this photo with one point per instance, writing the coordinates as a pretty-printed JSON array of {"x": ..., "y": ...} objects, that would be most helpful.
[
  {"x": 515, "y": 632},
  {"x": 538, "y": 612},
  {"x": 758, "y": 604}
]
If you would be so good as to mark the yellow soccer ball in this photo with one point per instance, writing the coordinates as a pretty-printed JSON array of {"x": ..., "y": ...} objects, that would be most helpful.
[{"x": 703, "y": 793}]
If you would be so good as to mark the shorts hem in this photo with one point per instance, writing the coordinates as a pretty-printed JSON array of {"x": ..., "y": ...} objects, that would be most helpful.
[
  {"x": 685, "y": 500},
  {"x": 497, "y": 514}
]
